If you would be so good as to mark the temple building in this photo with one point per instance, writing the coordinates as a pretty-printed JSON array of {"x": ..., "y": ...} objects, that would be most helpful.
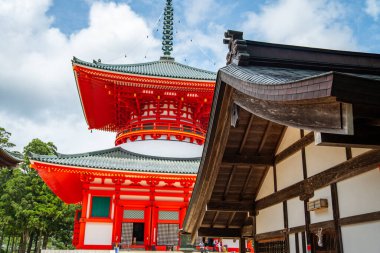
[
  {"x": 136, "y": 194},
  {"x": 292, "y": 157},
  {"x": 8, "y": 160}
]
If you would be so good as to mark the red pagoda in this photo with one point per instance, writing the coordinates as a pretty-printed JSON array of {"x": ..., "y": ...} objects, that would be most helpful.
[{"x": 136, "y": 194}]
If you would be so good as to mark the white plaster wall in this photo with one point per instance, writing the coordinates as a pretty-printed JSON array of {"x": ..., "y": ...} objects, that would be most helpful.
[
  {"x": 319, "y": 158},
  {"x": 174, "y": 199},
  {"x": 132, "y": 197},
  {"x": 364, "y": 237},
  {"x": 324, "y": 214},
  {"x": 289, "y": 171},
  {"x": 360, "y": 194},
  {"x": 291, "y": 135},
  {"x": 267, "y": 187},
  {"x": 358, "y": 151},
  {"x": 270, "y": 219},
  {"x": 97, "y": 233},
  {"x": 296, "y": 213},
  {"x": 292, "y": 243},
  {"x": 231, "y": 243}
]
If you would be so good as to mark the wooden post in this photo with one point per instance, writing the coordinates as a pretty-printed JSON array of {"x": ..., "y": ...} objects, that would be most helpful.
[{"x": 242, "y": 246}]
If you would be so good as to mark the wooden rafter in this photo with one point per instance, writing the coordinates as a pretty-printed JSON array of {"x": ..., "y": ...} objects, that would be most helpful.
[
  {"x": 246, "y": 134},
  {"x": 244, "y": 188},
  {"x": 230, "y": 178},
  {"x": 231, "y": 206},
  {"x": 247, "y": 160},
  {"x": 264, "y": 137},
  {"x": 214, "y": 219}
]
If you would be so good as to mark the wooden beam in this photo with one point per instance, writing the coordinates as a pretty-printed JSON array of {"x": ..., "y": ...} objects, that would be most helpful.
[
  {"x": 246, "y": 134},
  {"x": 367, "y": 217},
  {"x": 325, "y": 115},
  {"x": 347, "y": 169},
  {"x": 264, "y": 138},
  {"x": 230, "y": 206},
  {"x": 276, "y": 235},
  {"x": 214, "y": 219},
  {"x": 215, "y": 144},
  {"x": 358, "y": 140},
  {"x": 247, "y": 160},
  {"x": 246, "y": 183},
  {"x": 230, "y": 219},
  {"x": 226, "y": 190},
  {"x": 219, "y": 232},
  {"x": 295, "y": 147}
]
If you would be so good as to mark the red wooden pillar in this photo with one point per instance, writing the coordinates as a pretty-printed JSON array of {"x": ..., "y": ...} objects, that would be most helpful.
[
  {"x": 147, "y": 227},
  {"x": 82, "y": 222},
  {"x": 116, "y": 216}
]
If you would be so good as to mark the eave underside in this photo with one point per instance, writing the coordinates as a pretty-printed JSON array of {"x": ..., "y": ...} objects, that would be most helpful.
[
  {"x": 67, "y": 182},
  {"x": 337, "y": 116}
]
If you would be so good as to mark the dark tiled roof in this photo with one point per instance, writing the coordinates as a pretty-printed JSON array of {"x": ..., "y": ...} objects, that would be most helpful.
[
  {"x": 120, "y": 159},
  {"x": 162, "y": 68},
  {"x": 8, "y": 159},
  {"x": 265, "y": 75}
]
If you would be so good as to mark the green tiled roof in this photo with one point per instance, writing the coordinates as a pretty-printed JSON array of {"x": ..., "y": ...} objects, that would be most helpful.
[
  {"x": 166, "y": 67},
  {"x": 120, "y": 159}
]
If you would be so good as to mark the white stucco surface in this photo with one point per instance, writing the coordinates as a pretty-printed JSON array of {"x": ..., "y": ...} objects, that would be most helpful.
[
  {"x": 296, "y": 213},
  {"x": 289, "y": 171},
  {"x": 360, "y": 194},
  {"x": 270, "y": 219},
  {"x": 319, "y": 158},
  {"x": 267, "y": 187},
  {"x": 323, "y": 214},
  {"x": 291, "y": 135},
  {"x": 98, "y": 233},
  {"x": 364, "y": 237}
]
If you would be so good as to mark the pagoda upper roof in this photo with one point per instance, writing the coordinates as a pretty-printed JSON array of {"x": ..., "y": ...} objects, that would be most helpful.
[
  {"x": 165, "y": 67},
  {"x": 120, "y": 159},
  {"x": 8, "y": 159}
]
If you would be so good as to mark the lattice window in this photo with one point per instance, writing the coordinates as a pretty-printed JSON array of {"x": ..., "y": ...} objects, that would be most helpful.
[
  {"x": 167, "y": 234},
  {"x": 133, "y": 214},
  {"x": 126, "y": 233},
  {"x": 168, "y": 215},
  {"x": 272, "y": 247}
]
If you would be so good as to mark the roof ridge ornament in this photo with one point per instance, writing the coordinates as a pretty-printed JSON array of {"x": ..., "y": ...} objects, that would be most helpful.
[
  {"x": 237, "y": 47},
  {"x": 167, "y": 31}
]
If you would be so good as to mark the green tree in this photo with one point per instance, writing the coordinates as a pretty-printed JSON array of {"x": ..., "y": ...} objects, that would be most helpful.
[
  {"x": 30, "y": 214},
  {"x": 4, "y": 139}
]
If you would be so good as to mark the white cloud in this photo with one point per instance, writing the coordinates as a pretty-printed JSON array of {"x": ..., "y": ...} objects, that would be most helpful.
[
  {"x": 38, "y": 96},
  {"x": 317, "y": 23},
  {"x": 198, "y": 10},
  {"x": 373, "y": 8}
]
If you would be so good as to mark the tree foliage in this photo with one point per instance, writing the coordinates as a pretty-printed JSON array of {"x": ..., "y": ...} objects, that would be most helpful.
[
  {"x": 29, "y": 211},
  {"x": 4, "y": 139}
]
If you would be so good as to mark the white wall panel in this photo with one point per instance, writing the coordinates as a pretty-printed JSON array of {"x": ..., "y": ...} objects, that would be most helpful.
[
  {"x": 289, "y": 171},
  {"x": 358, "y": 151},
  {"x": 98, "y": 233},
  {"x": 364, "y": 237},
  {"x": 291, "y": 135},
  {"x": 296, "y": 213},
  {"x": 267, "y": 187},
  {"x": 292, "y": 243},
  {"x": 319, "y": 158},
  {"x": 324, "y": 214},
  {"x": 270, "y": 219},
  {"x": 360, "y": 194}
]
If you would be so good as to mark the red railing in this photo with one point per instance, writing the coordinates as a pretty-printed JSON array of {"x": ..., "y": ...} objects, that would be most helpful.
[{"x": 182, "y": 131}]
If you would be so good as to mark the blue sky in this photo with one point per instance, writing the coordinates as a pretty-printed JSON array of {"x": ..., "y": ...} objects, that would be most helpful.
[{"x": 38, "y": 96}]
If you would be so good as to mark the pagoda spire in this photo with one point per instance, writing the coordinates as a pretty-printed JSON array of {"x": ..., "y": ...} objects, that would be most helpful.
[{"x": 167, "y": 33}]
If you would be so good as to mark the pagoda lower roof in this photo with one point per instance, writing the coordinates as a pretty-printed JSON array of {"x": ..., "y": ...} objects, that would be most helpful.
[
  {"x": 122, "y": 160},
  {"x": 162, "y": 68},
  {"x": 7, "y": 159}
]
